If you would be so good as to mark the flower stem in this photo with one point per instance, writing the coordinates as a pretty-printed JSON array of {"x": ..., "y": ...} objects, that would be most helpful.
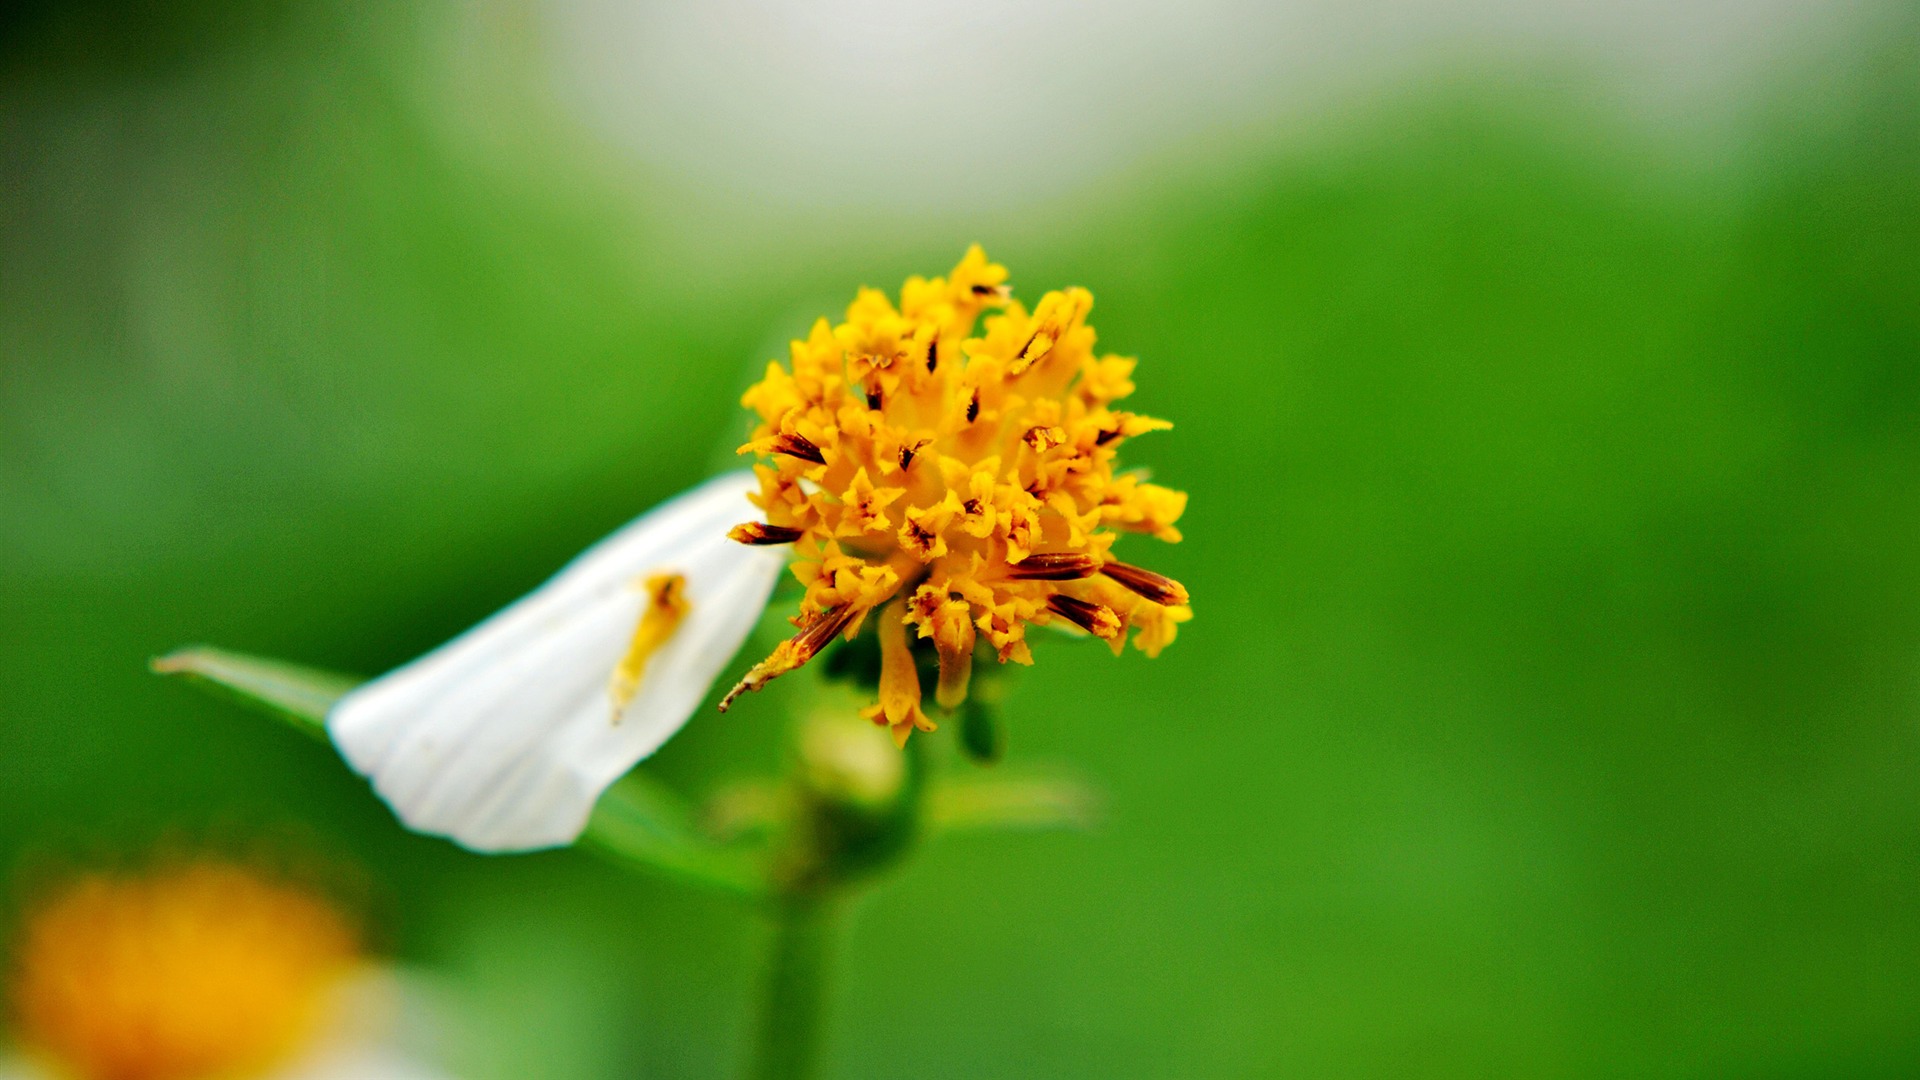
[{"x": 793, "y": 1010}]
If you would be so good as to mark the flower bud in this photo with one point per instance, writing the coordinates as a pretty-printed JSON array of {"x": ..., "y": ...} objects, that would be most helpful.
[{"x": 849, "y": 763}]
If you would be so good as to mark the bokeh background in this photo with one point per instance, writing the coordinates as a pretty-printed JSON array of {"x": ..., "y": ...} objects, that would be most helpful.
[{"x": 1547, "y": 381}]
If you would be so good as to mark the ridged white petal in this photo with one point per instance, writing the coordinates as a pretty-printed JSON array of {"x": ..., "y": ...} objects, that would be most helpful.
[{"x": 504, "y": 738}]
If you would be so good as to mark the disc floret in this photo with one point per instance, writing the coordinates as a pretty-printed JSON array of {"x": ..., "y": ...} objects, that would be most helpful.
[{"x": 970, "y": 479}]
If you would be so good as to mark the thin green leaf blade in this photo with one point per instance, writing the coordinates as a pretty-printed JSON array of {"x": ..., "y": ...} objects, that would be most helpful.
[
  {"x": 640, "y": 822},
  {"x": 296, "y": 694}
]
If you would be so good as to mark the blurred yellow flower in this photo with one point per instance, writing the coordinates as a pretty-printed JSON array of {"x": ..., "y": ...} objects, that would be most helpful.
[
  {"x": 202, "y": 970},
  {"x": 965, "y": 482}
]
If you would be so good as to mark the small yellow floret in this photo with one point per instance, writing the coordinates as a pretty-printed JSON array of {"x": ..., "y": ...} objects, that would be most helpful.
[
  {"x": 970, "y": 474},
  {"x": 201, "y": 971},
  {"x": 899, "y": 707}
]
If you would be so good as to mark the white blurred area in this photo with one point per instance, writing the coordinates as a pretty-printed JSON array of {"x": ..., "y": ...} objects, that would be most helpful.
[{"x": 978, "y": 104}]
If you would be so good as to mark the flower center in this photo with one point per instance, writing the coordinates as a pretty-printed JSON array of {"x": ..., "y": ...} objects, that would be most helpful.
[{"x": 973, "y": 477}]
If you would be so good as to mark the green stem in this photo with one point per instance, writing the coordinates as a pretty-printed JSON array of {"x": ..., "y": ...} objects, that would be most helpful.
[{"x": 793, "y": 1012}]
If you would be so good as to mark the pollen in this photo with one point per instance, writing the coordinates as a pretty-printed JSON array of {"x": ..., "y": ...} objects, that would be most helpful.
[
  {"x": 953, "y": 458},
  {"x": 197, "y": 971},
  {"x": 666, "y": 607}
]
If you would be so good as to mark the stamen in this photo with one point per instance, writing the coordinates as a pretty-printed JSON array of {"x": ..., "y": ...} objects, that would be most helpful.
[
  {"x": 667, "y": 606},
  {"x": 1096, "y": 619},
  {"x": 933, "y": 352},
  {"x": 973, "y": 407},
  {"x": 907, "y": 452},
  {"x": 798, "y": 446},
  {"x": 873, "y": 398},
  {"x": 760, "y": 534},
  {"x": 1158, "y": 588},
  {"x": 1053, "y": 566},
  {"x": 795, "y": 651},
  {"x": 1106, "y": 436}
]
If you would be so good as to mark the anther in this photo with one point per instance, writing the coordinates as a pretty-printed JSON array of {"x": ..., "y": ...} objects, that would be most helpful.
[
  {"x": 933, "y": 354},
  {"x": 1106, "y": 437},
  {"x": 1156, "y": 587},
  {"x": 798, "y": 446},
  {"x": 973, "y": 407},
  {"x": 1096, "y": 619},
  {"x": 907, "y": 452},
  {"x": 1053, "y": 566},
  {"x": 1028, "y": 355},
  {"x": 760, "y": 534},
  {"x": 1043, "y": 438},
  {"x": 873, "y": 397}
]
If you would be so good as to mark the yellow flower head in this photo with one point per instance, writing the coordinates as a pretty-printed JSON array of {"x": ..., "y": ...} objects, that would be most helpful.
[
  {"x": 965, "y": 481},
  {"x": 198, "y": 971}
]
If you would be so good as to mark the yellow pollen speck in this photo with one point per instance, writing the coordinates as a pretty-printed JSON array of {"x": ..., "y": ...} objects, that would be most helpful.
[
  {"x": 960, "y": 453},
  {"x": 199, "y": 971},
  {"x": 667, "y": 606}
]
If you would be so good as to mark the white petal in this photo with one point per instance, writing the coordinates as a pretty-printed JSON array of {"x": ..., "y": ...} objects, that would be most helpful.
[
  {"x": 503, "y": 738},
  {"x": 361, "y": 1063},
  {"x": 379, "y": 1026}
]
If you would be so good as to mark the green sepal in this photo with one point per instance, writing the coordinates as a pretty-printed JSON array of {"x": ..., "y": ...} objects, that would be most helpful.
[
  {"x": 853, "y": 843},
  {"x": 298, "y": 695},
  {"x": 856, "y": 662},
  {"x": 983, "y": 738}
]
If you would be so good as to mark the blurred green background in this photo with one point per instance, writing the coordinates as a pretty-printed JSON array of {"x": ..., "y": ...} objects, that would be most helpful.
[{"x": 1553, "y": 704}]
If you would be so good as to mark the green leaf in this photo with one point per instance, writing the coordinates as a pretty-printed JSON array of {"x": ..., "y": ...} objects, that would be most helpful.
[
  {"x": 1009, "y": 803},
  {"x": 640, "y": 821},
  {"x": 298, "y": 695},
  {"x": 637, "y": 822}
]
